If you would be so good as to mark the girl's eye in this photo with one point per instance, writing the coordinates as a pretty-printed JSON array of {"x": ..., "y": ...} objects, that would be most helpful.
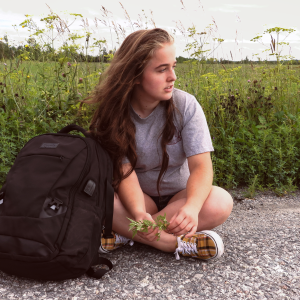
[{"x": 162, "y": 70}]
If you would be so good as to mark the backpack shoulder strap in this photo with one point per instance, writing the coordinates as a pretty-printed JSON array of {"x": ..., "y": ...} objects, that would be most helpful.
[
  {"x": 98, "y": 273},
  {"x": 109, "y": 210},
  {"x": 71, "y": 127}
]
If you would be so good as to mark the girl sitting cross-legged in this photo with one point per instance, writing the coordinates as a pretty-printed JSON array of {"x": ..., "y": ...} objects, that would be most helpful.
[{"x": 158, "y": 139}]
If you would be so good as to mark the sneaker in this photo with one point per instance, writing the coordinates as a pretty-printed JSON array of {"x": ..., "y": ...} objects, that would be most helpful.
[
  {"x": 204, "y": 245},
  {"x": 116, "y": 242}
]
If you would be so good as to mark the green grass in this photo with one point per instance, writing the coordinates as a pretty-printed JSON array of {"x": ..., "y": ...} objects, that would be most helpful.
[{"x": 252, "y": 111}]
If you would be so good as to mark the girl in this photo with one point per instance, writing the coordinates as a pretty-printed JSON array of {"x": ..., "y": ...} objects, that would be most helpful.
[{"x": 158, "y": 139}]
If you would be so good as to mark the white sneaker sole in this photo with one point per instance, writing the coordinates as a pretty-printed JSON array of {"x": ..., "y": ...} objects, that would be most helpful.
[
  {"x": 217, "y": 240},
  {"x": 101, "y": 250}
]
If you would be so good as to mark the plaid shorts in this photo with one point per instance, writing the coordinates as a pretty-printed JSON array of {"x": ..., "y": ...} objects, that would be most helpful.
[{"x": 161, "y": 202}]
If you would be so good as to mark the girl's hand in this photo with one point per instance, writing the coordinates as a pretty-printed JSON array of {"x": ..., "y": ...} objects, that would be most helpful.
[
  {"x": 185, "y": 221},
  {"x": 151, "y": 234}
]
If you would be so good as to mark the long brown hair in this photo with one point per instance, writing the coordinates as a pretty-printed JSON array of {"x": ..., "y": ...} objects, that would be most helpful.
[{"x": 111, "y": 123}]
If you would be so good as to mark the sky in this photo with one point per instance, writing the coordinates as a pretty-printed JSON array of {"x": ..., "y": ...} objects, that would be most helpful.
[{"x": 236, "y": 22}]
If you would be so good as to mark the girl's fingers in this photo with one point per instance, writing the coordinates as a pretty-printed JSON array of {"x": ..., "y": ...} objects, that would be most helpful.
[
  {"x": 149, "y": 236},
  {"x": 192, "y": 231},
  {"x": 181, "y": 226},
  {"x": 185, "y": 228},
  {"x": 175, "y": 223}
]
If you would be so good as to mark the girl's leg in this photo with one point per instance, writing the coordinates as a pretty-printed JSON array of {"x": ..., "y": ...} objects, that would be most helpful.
[
  {"x": 214, "y": 212},
  {"x": 167, "y": 242}
]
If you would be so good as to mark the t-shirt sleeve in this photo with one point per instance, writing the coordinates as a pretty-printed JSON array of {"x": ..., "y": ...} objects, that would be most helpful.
[{"x": 195, "y": 133}]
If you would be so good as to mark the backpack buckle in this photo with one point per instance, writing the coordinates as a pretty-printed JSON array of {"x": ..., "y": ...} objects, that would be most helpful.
[
  {"x": 55, "y": 204},
  {"x": 52, "y": 207}
]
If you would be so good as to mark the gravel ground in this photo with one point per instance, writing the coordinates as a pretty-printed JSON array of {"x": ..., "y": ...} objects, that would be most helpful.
[{"x": 261, "y": 261}]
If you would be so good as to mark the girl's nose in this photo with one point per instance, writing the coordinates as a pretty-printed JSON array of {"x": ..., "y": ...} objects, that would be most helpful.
[{"x": 172, "y": 76}]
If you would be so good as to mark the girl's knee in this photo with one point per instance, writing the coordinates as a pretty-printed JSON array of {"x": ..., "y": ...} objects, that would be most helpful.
[
  {"x": 227, "y": 201},
  {"x": 220, "y": 203}
]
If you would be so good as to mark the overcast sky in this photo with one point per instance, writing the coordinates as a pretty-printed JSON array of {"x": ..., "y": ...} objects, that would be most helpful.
[{"x": 235, "y": 21}]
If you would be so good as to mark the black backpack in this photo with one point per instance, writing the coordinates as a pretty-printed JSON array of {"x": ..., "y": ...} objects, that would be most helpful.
[{"x": 53, "y": 205}]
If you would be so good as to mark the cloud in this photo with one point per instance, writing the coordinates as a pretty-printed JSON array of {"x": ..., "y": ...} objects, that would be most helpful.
[
  {"x": 93, "y": 12},
  {"x": 7, "y": 19},
  {"x": 245, "y": 5},
  {"x": 233, "y": 8},
  {"x": 226, "y": 10}
]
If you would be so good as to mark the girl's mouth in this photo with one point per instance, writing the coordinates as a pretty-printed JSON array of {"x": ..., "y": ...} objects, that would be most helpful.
[{"x": 169, "y": 88}]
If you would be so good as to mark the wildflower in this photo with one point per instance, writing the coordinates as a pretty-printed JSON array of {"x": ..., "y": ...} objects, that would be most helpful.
[
  {"x": 249, "y": 80},
  {"x": 5, "y": 64},
  {"x": 99, "y": 73},
  {"x": 16, "y": 95},
  {"x": 179, "y": 84},
  {"x": 23, "y": 97},
  {"x": 69, "y": 64},
  {"x": 213, "y": 137},
  {"x": 0, "y": 83},
  {"x": 79, "y": 94},
  {"x": 26, "y": 46},
  {"x": 80, "y": 80},
  {"x": 255, "y": 81},
  {"x": 2, "y": 91},
  {"x": 248, "y": 97},
  {"x": 63, "y": 75},
  {"x": 28, "y": 76},
  {"x": 263, "y": 87},
  {"x": 23, "y": 26},
  {"x": 275, "y": 88}
]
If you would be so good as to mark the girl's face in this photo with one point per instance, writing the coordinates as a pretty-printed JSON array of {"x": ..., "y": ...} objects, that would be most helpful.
[{"x": 158, "y": 79}]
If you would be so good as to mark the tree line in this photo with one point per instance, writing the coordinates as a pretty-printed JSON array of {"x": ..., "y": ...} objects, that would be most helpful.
[{"x": 37, "y": 53}]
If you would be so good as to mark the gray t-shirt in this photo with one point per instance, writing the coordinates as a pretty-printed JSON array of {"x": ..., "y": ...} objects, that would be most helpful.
[{"x": 192, "y": 137}]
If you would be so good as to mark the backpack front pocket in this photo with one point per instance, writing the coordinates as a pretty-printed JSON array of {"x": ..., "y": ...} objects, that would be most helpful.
[{"x": 25, "y": 191}]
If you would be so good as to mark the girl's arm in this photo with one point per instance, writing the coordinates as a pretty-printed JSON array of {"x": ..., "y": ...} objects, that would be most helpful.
[
  {"x": 200, "y": 181},
  {"x": 132, "y": 198},
  {"x": 131, "y": 194},
  {"x": 198, "y": 188}
]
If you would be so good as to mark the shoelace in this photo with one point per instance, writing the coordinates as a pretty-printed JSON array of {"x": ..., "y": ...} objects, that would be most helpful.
[
  {"x": 123, "y": 240},
  {"x": 185, "y": 248}
]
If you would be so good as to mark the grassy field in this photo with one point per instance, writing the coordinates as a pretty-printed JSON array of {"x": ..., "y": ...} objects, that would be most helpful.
[{"x": 253, "y": 113}]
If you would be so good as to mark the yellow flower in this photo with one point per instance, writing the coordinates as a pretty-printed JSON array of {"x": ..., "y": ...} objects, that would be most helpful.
[
  {"x": 28, "y": 76},
  {"x": 23, "y": 26},
  {"x": 26, "y": 57},
  {"x": 26, "y": 46}
]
